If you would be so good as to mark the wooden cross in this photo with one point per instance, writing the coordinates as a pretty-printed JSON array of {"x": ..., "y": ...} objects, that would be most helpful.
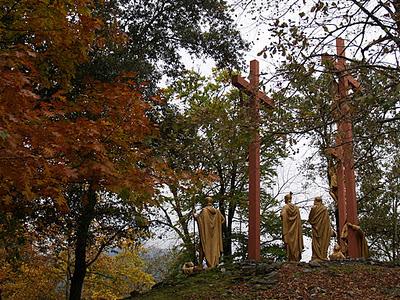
[
  {"x": 343, "y": 151},
  {"x": 252, "y": 89}
]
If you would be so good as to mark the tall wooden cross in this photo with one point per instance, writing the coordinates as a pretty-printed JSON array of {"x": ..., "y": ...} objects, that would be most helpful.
[
  {"x": 343, "y": 151},
  {"x": 252, "y": 89}
]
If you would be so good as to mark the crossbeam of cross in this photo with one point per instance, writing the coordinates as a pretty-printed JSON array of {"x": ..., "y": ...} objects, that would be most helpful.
[{"x": 252, "y": 89}]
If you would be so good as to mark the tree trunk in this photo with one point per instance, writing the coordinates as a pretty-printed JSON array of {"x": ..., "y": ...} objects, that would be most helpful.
[
  {"x": 68, "y": 271},
  {"x": 228, "y": 237},
  {"x": 395, "y": 230},
  {"x": 227, "y": 241},
  {"x": 82, "y": 234},
  {"x": 396, "y": 16},
  {"x": 226, "y": 234}
]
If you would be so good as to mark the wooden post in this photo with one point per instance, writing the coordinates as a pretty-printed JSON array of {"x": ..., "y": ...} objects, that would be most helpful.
[
  {"x": 345, "y": 131},
  {"x": 252, "y": 89},
  {"x": 347, "y": 202}
]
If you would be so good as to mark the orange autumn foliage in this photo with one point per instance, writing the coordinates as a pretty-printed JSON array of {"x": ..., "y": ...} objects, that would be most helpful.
[
  {"x": 52, "y": 133},
  {"x": 60, "y": 127},
  {"x": 31, "y": 277},
  {"x": 36, "y": 275}
]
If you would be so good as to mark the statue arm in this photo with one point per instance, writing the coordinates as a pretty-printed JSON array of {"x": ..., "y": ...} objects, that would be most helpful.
[
  {"x": 311, "y": 216},
  {"x": 283, "y": 220}
]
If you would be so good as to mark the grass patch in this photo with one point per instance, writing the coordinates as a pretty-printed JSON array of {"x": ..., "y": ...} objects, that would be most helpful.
[{"x": 209, "y": 284}]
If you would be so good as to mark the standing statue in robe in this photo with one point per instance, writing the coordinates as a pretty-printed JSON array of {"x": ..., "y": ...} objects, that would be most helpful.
[
  {"x": 210, "y": 222},
  {"x": 321, "y": 230},
  {"x": 292, "y": 229},
  {"x": 363, "y": 245}
]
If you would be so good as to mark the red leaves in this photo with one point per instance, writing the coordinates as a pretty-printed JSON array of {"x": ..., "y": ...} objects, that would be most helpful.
[
  {"x": 50, "y": 140},
  {"x": 90, "y": 138}
]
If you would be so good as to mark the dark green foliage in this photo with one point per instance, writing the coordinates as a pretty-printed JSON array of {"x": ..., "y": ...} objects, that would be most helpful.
[
  {"x": 205, "y": 142},
  {"x": 159, "y": 32}
]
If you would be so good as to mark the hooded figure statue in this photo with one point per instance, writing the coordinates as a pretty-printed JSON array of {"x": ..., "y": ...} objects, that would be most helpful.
[
  {"x": 321, "y": 230},
  {"x": 209, "y": 222},
  {"x": 292, "y": 229}
]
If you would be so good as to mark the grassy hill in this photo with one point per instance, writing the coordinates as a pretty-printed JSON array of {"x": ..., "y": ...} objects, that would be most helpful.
[{"x": 328, "y": 280}]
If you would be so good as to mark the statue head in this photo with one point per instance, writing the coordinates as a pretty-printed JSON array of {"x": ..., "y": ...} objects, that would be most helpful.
[
  {"x": 337, "y": 247},
  {"x": 209, "y": 201},
  {"x": 318, "y": 200},
  {"x": 288, "y": 198}
]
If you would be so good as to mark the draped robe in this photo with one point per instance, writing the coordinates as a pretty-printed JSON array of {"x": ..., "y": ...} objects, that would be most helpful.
[
  {"x": 363, "y": 245},
  {"x": 292, "y": 231},
  {"x": 209, "y": 222},
  {"x": 321, "y": 231}
]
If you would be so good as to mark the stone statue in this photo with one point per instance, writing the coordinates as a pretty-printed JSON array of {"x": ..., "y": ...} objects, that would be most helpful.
[
  {"x": 321, "y": 230},
  {"x": 209, "y": 222},
  {"x": 337, "y": 253},
  {"x": 292, "y": 229},
  {"x": 332, "y": 179},
  {"x": 363, "y": 250}
]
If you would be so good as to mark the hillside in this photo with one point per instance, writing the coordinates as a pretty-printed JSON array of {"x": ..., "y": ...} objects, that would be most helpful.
[{"x": 328, "y": 280}]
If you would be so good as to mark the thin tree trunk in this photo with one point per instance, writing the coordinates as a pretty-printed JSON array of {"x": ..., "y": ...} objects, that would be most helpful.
[
  {"x": 228, "y": 236},
  {"x": 396, "y": 16},
  {"x": 82, "y": 234},
  {"x": 227, "y": 241},
  {"x": 67, "y": 288},
  {"x": 395, "y": 230}
]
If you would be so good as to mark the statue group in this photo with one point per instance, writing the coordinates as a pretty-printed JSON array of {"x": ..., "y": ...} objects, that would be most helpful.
[
  {"x": 292, "y": 232},
  {"x": 210, "y": 220}
]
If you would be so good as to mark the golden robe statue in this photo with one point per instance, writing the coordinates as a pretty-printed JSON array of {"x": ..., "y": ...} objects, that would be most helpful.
[
  {"x": 209, "y": 222},
  {"x": 337, "y": 253},
  {"x": 321, "y": 230},
  {"x": 363, "y": 250},
  {"x": 292, "y": 229}
]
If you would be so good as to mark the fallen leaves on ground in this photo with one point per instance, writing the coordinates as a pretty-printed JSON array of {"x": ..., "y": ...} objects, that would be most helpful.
[{"x": 344, "y": 280}]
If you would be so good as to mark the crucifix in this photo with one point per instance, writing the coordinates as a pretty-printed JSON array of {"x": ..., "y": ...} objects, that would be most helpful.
[
  {"x": 252, "y": 89},
  {"x": 343, "y": 151}
]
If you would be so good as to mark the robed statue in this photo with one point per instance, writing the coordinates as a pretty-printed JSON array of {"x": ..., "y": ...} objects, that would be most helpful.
[
  {"x": 210, "y": 222},
  {"x": 292, "y": 229},
  {"x": 321, "y": 230},
  {"x": 360, "y": 236}
]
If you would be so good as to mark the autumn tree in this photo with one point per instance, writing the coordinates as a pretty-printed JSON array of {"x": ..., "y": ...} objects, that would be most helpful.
[
  {"x": 41, "y": 69},
  {"x": 34, "y": 275},
  {"x": 72, "y": 131},
  {"x": 54, "y": 138},
  {"x": 111, "y": 276},
  {"x": 116, "y": 276}
]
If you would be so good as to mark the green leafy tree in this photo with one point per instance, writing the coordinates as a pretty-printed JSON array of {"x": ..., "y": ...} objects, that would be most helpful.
[
  {"x": 159, "y": 32},
  {"x": 207, "y": 139}
]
